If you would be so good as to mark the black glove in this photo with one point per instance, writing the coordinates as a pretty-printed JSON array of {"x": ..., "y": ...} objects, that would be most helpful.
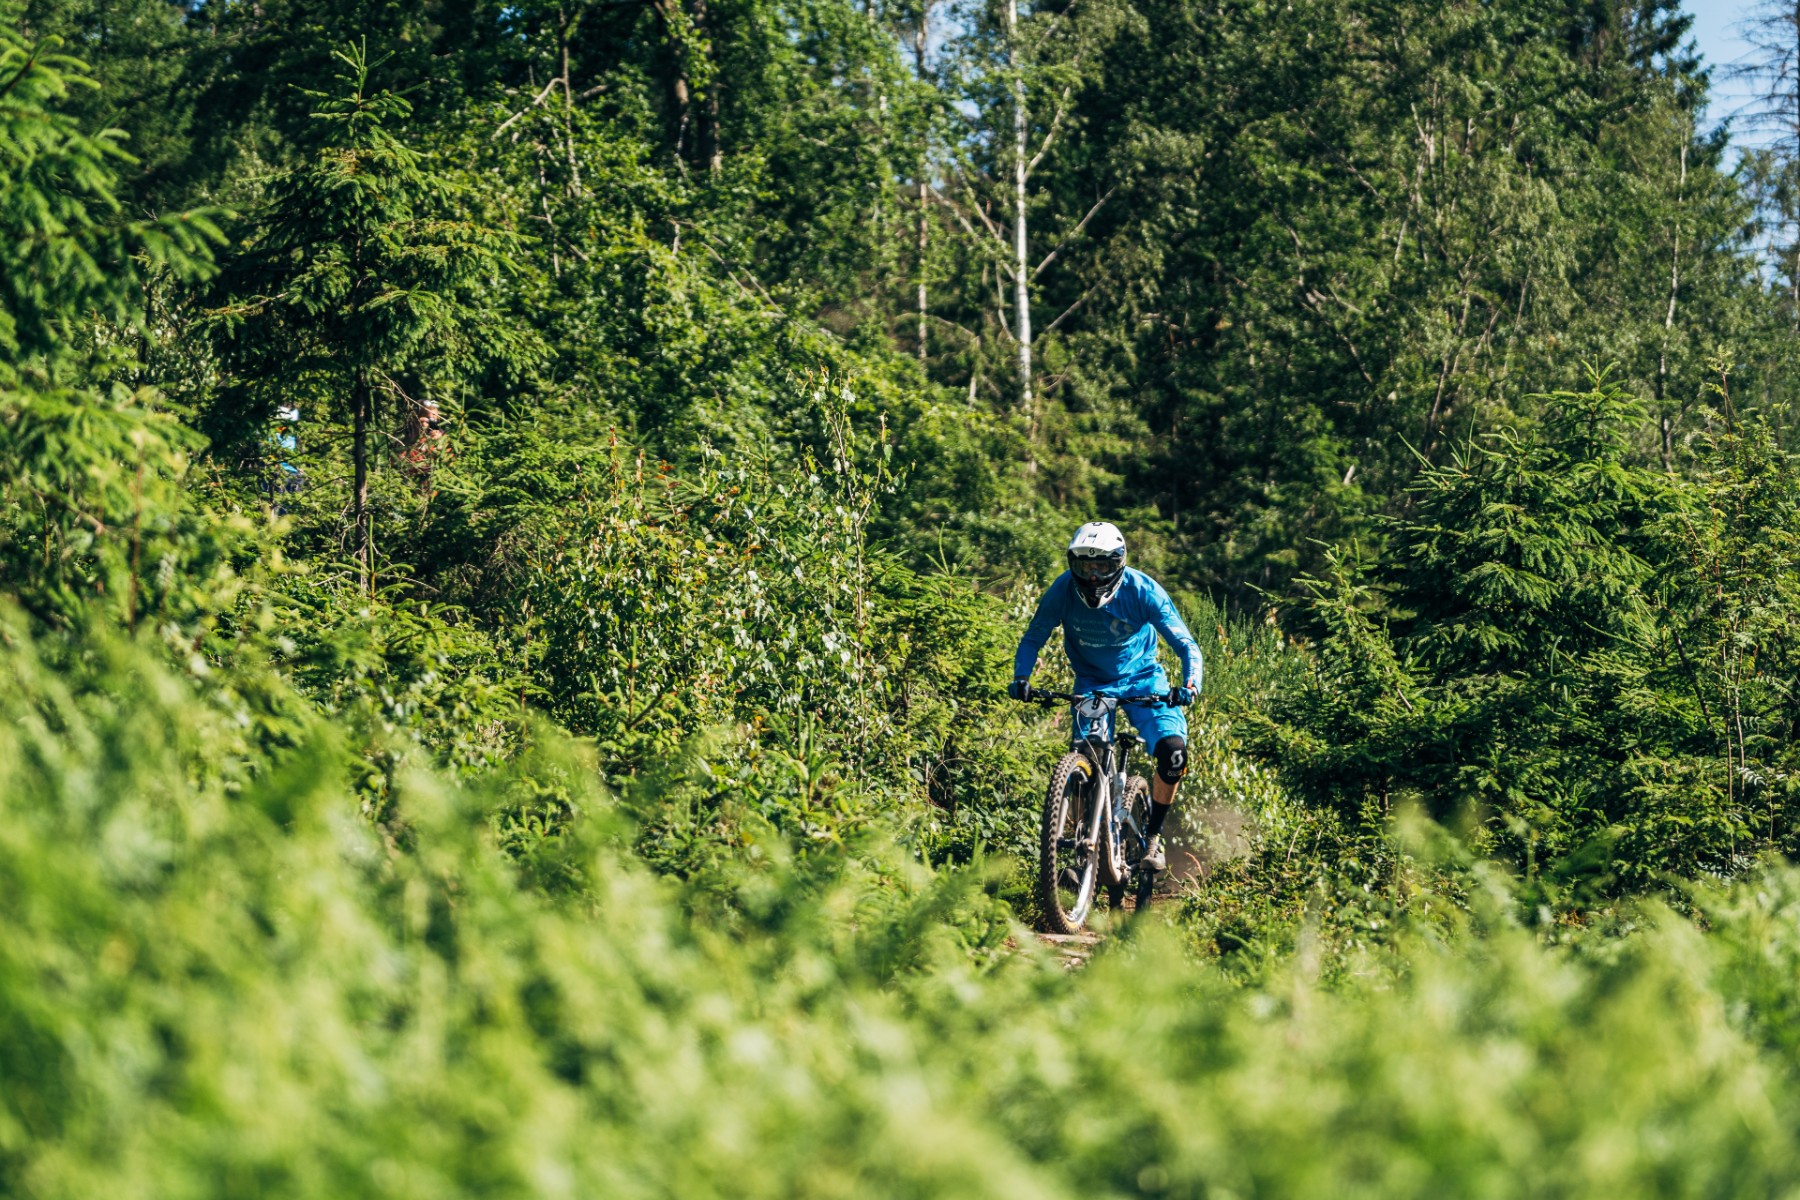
[
  {"x": 1179, "y": 697},
  {"x": 1019, "y": 689}
]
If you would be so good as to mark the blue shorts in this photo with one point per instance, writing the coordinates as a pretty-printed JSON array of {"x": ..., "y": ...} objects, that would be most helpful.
[{"x": 1153, "y": 722}]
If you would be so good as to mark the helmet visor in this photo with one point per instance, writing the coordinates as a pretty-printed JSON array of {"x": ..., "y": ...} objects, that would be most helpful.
[{"x": 1096, "y": 568}]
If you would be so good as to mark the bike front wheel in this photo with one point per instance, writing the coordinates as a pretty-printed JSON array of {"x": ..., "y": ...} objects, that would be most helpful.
[{"x": 1066, "y": 864}]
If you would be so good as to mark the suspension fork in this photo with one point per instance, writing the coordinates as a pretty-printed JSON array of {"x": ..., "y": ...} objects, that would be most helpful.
[
  {"x": 1102, "y": 810},
  {"x": 1102, "y": 758}
]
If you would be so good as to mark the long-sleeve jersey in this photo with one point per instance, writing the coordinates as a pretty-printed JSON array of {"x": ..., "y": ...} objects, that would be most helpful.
[{"x": 1114, "y": 646}]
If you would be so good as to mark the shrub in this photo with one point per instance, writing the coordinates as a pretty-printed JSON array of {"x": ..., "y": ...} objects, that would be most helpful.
[{"x": 1586, "y": 655}]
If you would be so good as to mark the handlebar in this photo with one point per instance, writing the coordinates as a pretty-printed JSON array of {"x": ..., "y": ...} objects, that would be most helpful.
[{"x": 1048, "y": 698}]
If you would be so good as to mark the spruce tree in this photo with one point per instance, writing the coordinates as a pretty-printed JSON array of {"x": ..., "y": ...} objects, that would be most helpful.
[
  {"x": 68, "y": 254},
  {"x": 360, "y": 283},
  {"x": 92, "y": 507}
]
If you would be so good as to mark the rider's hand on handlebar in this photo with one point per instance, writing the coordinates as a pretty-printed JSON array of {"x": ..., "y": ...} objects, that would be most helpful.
[
  {"x": 1019, "y": 689},
  {"x": 1179, "y": 697}
]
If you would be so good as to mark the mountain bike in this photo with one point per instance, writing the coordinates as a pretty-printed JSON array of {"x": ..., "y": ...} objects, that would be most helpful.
[{"x": 1094, "y": 816}]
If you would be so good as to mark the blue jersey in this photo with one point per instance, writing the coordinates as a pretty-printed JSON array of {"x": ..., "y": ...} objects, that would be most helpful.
[{"x": 1114, "y": 646}]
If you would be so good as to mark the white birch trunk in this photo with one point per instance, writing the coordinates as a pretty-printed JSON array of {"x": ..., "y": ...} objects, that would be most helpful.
[
  {"x": 924, "y": 230},
  {"x": 1021, "y": 232},
  {"x": 1662, "y": 359}
]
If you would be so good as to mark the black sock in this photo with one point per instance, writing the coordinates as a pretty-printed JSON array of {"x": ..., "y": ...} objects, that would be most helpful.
[{"x": 1157, "y": 813}]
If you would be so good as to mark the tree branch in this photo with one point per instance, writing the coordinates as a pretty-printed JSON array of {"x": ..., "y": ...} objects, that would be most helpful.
[
  {"x": 1000, "y": 307},
  {"x": 1312, "y": 299},
  {"x": 539, "y": 99},
  {"x": 956, "y": 212},
  {"x": 1068, "y": 312},
  {"x": 955, "y": 327},
  {"x": 1062, "y": 108},
  {"x": 991, "y": 227},
  {"x": 23, "y": 71},
  {"x": 1073, "y": 233},
  {"x": 1050, "y": 30}
]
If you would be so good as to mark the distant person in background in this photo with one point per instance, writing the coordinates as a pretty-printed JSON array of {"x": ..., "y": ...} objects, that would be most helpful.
[
  {"x": 425, "y": 440},
  {"x": 288, "y": 477}
]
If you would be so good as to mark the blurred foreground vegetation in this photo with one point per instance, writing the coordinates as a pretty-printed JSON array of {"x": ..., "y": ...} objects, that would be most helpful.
[{"x": 219, "y": 979}]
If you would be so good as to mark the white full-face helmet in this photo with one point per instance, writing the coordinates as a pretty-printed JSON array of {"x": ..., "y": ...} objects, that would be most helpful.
[{"x": 1097, "y": 562}]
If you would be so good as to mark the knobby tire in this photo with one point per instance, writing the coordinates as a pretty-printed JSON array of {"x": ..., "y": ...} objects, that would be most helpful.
[{"x": 1066, "y": 803}]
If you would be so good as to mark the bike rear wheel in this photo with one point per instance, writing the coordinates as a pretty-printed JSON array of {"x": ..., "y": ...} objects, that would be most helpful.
[
  {"x": 1131, "y": 846},
  {"x": 1066, "y": 866}
]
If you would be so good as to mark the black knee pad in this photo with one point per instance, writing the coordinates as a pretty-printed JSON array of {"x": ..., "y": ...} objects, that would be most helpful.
[{"x": 1171, "y": 759}]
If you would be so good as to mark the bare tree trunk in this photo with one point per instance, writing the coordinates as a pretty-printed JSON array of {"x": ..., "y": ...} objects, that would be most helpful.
[
  {"x": 1021, "y": 233},
  {"x": 919, "y": 44},
  {"x": 562, "y": 36},
  {"x": 712, "y": 152},
  {"x": 924, "y": 241},
  {"x": 684, "y": 107},
  {"x": 711, "y": 149},
  {"x": 1662, "y": 359},
  {"x": 681, "y": 93},
  {"x": 361, "y": 402}
]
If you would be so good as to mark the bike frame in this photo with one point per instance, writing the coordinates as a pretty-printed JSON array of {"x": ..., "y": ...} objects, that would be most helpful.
[{"x": 1109, "y": 750}]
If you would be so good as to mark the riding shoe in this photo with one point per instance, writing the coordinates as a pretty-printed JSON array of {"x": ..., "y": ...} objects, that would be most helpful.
[{"x": 1153, "y": 859}]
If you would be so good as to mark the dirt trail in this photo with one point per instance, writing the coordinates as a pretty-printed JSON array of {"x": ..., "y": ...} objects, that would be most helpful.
[
  {"x": 1074, "y": 948},
  {"x": 1222, "y": 833}
]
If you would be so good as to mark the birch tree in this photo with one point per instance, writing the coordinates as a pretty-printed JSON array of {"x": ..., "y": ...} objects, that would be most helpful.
[
  {"x": 916, "y": 29},
  {"x": 1023, "y": 68},
  {"x": 1772, "y": 68}
]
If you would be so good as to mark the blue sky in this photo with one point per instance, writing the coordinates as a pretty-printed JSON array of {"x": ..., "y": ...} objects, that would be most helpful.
[{"x": 1715, "y": 29}]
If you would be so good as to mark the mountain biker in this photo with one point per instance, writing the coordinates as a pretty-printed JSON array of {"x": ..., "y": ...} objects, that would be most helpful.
[{"x": 1110, "y": 615}]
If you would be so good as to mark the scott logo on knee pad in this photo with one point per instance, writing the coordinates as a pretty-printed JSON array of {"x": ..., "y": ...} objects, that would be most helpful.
[{"x": 1171, "y": 759}]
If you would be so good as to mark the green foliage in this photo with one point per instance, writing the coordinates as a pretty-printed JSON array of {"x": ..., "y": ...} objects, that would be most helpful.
[
  {"x": 743, "y": 598},
  {"x": 98, "y": 513},
  {"x": 140, "y": 53},
  {"x": 1580, "y": 653},
  {"x": 398, "y": 669},
  {"x": 95, "y": 481},
  {"x": 638, "y": 815},
  {"x": 219, "y": 979},
  {"x": 1353, "y": 231},
  {"x": 1731, "y": 600},
  {"x": 67, "y": 253},
  {"x": 360, "y": 281}
]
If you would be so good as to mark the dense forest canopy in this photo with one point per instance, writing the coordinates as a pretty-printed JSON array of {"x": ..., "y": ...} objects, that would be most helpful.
[
  {"x": 514, "y": 518},
  {"x": 1231, "y": 269}
]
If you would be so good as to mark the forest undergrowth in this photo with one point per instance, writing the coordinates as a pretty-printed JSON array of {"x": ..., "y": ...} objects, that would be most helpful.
[{"x": 220, "y": 978}]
